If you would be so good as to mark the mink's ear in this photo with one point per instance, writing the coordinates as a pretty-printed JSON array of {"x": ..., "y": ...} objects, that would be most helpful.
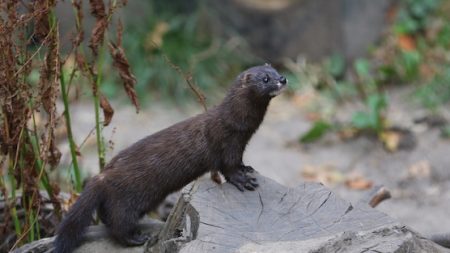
[{"x": 245, "y": 78}]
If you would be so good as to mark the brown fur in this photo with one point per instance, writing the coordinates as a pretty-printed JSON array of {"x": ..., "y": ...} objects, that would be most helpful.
[{"x": 141, "y": 176}]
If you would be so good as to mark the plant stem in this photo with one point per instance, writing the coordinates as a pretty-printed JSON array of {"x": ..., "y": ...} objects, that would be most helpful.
[
  {"x": 31, "y": 221},
  {"x": 98, "y": 133},
  {"x": 12, "y": 181},
  {"x": 13, "y": 160},
  {"x": 98, "y": 127},
  {"x": 37, "y": 155},
  {"x": 73, "y": 148}
]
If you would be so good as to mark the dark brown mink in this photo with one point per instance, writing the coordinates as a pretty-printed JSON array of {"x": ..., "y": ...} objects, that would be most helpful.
[{"x": 139, "y": 178}]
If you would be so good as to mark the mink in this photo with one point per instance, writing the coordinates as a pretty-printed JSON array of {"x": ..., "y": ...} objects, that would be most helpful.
[{"x": 139, "y": 178}]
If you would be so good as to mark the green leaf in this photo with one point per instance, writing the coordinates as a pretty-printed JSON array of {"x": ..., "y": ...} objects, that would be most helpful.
[
  {"x": 362, "y": 120},
  {"x": 405, "y": 23},
  {"x": 335, "y": 65},
  {"x": 419, "y": 10},
  {"x": 317, "y": 131},
  {"x": 387, "y": 72},
  {"x": 371, "y": 119},
  {"x": 411, "y": 62},
  {"x": 362, "y": 68},
  {"x": 436, "y": 92},
  {"x": 376, "y": 104},
  {"x": 443, "y": 38}
]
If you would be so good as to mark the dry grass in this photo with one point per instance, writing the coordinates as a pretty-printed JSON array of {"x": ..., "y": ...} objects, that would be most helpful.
[{"x": 30, "y": 41}]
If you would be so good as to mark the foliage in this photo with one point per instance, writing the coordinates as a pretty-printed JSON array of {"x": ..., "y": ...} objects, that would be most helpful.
[
  {"x": 372, "y": 119},
  {"x": 417, "y": 50},
  {"x": 366, "y": 82},
  {"x": 184, "y": 37},
  {"x": 410, "y": 62},
  {"x": 414, "y": 15},
  {"x": 335, "y": 65},
  {"x": 34, "y": 75},
  {"x": 319, "y": 128},
  {"x": 437, "y": 91},
  {"x": 414, "y": 52}
]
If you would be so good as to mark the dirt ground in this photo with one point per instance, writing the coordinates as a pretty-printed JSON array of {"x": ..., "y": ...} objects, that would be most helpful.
[{"x": 419, "y": 179}]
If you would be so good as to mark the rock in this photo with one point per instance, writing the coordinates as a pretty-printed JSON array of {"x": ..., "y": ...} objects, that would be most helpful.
[{"x": 314, "y": 28}]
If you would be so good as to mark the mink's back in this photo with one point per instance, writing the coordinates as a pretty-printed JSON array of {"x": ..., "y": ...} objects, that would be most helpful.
[{"x": 169, "y": 158}]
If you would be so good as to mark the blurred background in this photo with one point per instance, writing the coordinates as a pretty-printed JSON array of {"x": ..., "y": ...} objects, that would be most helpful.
[
  {"x": 368, "y": 101},
  {"x": 367, "y": 104}
]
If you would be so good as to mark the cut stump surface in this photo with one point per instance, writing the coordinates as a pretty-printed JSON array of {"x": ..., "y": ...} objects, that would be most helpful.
[
  {"x": 274, "y": 218},
  {"x": 211, "y": 218}
]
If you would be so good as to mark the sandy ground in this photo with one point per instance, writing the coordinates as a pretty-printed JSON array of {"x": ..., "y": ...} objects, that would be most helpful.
[{"x": 418, "y": 179}]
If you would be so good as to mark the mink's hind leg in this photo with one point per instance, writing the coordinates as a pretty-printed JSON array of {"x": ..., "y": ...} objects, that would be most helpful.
[
  {"x": 102, "y": 214},
  {"x": 123, "y": 227}
]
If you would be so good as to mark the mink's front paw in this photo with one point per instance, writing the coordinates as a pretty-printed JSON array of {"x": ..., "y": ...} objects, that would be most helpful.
[
  {"x": 241, "y": 180},
  {"x": 247, "y": 169}
]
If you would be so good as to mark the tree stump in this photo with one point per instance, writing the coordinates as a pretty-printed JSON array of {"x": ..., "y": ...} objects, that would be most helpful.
[
  {"x": 213, "y": 218},
  {"x": 96, "y": 240},
  {"x": 274, "y": 218}
]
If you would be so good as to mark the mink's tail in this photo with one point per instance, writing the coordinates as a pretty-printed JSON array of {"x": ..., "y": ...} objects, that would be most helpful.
[{"x": 70, "y": 231}]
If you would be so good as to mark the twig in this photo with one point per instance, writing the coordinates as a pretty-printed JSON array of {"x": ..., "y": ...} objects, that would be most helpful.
[
  {"x": 201, "y": 99},
  {"x": 26, "y": 231},
  {"x": 189, "y": 80},
  {"x": 34, "y": 54},
  {"x": 381, "y": 195},
  {"x": 196, "y": 58},
  {"x": 377, "y": 195}
]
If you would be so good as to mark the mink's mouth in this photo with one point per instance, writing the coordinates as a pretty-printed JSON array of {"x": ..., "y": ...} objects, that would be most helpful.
[{"x": 279, "y": 89}]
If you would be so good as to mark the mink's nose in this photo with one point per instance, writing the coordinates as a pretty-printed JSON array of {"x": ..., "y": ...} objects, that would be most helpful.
[{"x": 283, "y": 80}]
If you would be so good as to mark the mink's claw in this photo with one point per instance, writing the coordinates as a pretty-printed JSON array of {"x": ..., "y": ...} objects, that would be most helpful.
[
  {"x": 239, "y": 186},
  {"x": 241, "y": 180},
  {"x": 250, "y": 187}
]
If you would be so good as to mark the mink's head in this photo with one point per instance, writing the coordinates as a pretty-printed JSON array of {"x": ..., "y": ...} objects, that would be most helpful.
[{"x": 263, "y": 80}]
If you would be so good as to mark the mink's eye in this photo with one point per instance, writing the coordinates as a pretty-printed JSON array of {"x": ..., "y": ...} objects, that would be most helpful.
[{"x": 266, "y": 79}]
